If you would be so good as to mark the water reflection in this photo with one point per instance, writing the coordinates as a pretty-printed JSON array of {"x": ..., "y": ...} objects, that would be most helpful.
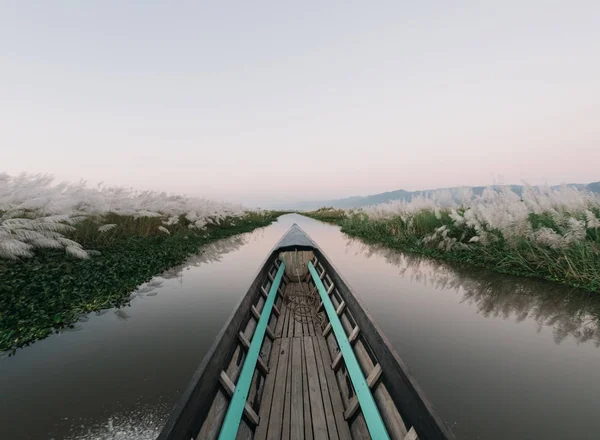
[
  {"x": 211, "y": 253},
  {"x": 568, "y": 311}
]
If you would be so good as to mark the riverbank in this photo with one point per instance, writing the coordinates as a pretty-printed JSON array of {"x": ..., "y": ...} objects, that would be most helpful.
[
  {"x": 52, "y": 289},
  {"x": 554, "y": 244}
]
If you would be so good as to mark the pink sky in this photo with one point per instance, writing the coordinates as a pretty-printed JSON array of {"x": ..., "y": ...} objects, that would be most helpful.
[{"x": 269, "y": 103}]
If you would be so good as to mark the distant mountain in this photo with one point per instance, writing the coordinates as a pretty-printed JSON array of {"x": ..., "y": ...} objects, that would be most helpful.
[
  {"x": 594, "y": 187},
  {"x": 400, "y": 194}
]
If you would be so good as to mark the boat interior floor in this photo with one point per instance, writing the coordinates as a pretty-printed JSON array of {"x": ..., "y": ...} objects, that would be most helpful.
[{"x": 302, "y": 399}]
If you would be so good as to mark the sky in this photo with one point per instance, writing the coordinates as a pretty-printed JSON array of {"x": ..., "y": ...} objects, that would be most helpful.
[{"x": 270, "y": 102}]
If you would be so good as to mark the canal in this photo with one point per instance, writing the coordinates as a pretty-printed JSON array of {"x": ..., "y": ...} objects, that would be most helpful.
[{"x": 498, "y": 356}]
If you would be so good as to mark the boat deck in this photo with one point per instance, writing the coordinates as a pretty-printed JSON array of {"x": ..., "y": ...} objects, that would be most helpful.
[
  {"x": 300, "y": 358},
  {"x": 301, "y": 397}
]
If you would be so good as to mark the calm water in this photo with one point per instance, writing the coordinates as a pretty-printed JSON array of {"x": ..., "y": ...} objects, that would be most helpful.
[{"x": 500, "y": 357}]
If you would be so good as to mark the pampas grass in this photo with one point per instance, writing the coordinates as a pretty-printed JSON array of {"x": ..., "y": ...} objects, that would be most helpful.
[
  {"x": 544, "y": 232},
  {"x": 570, "y": 215},
  {"x": 37, "y": 213}
]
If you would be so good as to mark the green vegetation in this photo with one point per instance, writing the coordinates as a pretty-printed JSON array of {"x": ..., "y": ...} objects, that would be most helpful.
[
  {"x": 554, "y": 254},
  {"x": 327, "y": 214},
  {"x": 50, "y": 290}
]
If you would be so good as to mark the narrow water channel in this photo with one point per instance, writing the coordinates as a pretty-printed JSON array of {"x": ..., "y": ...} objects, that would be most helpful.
[{"x": 498, "y": 356}]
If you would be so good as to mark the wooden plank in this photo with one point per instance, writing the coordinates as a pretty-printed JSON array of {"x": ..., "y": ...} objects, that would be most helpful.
[
  {"x": 402, "y": 389},
  {"x": 214, "y": 419},
  {"x": 260, "y": 363},
  {"x": 308, "y": 430},
  {"x": 290, "y": 324},
  {"x": 281, "y": 319},
  {"x": 387, "y": 406},
  {"x": 338, "y": 312},
  {"x": 297, "y": 404},
  {"x": 297, "y": 328},
  {"x": 371, "y": 381},
  {"x": 412, "y": 434},
  {"x": 329, "y": 415},
  {"x": 238, "y": 400},
  {"x": 285, "y": 324},
  {"x": 257, "y": 315},
  {"x": 276, "y": 310},
  {"x": 229, "y": 387},
  {"x": 199, "y": 397},
  {"x": 278, "y": 401},
  {"x": 267, "y": 397},
  {"x": 370, "y": 411},
  {"x": 352, "y": 339},
  {"x": 316, "y": 403},
  {"x": 287, "y": 410},
  {"x": 343, "y": 429},
  {"x": 389, "y": 411}
]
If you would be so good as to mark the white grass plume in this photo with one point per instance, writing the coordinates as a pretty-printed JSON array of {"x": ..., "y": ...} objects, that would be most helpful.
[
  {"x": 107, "y": 227},
  {"x": 36, "y": 213},
  {"x": 505, "y": 211}
]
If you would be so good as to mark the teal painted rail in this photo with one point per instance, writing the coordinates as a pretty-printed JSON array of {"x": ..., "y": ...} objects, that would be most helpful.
[
  {"x": 238, "y": 400},
  {"x": 365, "y": 398}
]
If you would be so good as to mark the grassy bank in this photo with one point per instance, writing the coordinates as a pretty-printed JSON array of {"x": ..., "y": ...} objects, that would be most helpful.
[
  {"x": 328, "y": 215},
  {"x": 51, "y": 289},
  {"x": 549, "y": 236}
]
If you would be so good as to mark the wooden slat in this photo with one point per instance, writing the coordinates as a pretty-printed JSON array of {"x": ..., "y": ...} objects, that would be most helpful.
[
  {"x": 260, "y": 363},
  {"x": 214, "y": 419},
  {"x": 369, "y": 408},
  {"x": 339, "y": 357},
  {"x": 371, "y": 381},
  {"x": 400, "y": 390},
  {"x": 267, "y": 398},
  {"x": 338, "y": 312},
  {"x": 316, "y": 403},
  {"x": 297, "y": 404},
  {"x": 388, "y": 409},
  {"x": 298, "y": 328},
  {"x": 287, "y": 410},
  {"x": 308, "y": 430},
  {"x": 230, "y": 389},
  {"x": 412, "y": 434},
  {"x": 329, "y": 416},
  {"x": 290, "y": 325},
  {"x": 278, "y": 401},
  {"x": 238, "y": 400},
  {"x": 268, "y": 330},
  {"x": 336, "y": 398},
  {"x": 281, "y": 319}
]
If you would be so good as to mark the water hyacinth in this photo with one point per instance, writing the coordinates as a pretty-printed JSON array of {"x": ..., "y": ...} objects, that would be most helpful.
[{"x": 36, "y": 213}]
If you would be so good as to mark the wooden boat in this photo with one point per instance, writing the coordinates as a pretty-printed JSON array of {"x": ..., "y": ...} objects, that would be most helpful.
[{"x": 301, "y": 358}]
